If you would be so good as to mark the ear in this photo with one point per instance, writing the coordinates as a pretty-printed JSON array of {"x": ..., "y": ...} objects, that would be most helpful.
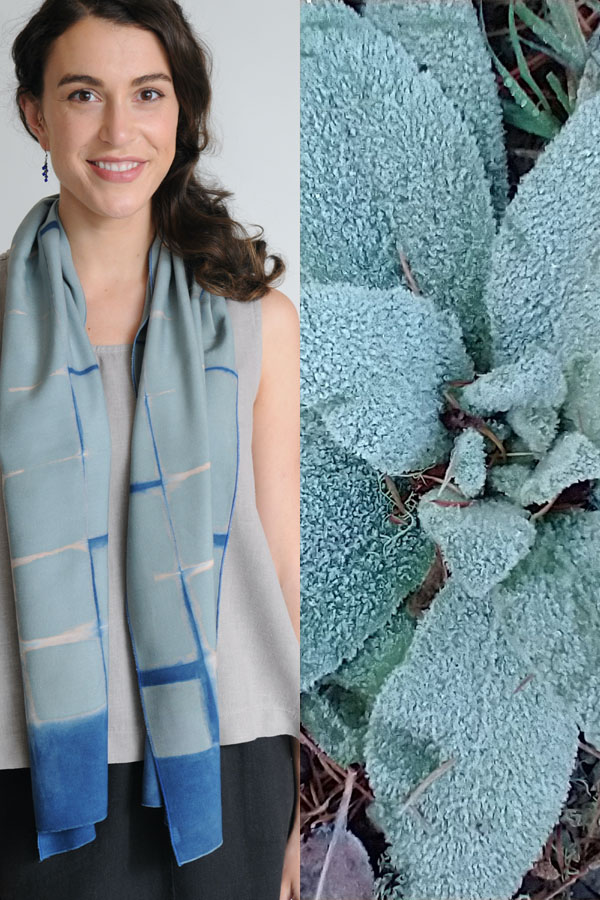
[{"x": 35, "y": 119}]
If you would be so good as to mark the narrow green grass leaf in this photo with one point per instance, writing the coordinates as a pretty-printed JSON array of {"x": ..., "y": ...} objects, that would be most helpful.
[
  {"x": 548, "y": 34},
  {"x": 564, "y": 18},
  {"x": 562, "y": 98},
  {"x": 521, "y": 61},
  {"x": 530, "y": 120}
]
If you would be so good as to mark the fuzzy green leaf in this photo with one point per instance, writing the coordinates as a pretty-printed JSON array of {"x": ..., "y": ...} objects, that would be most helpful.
[
  {"x": 481, "y": 542},
  {"x": 444, "y": 38},
  {"x": 572, "y": 459},
  {"x": 536, "y": 425},
  {"x": 467, "y": 463},
  {"x": 373, "y": 364},
  {"x": 355, "y": 569},
  {"x": 368, "y": 114},
  {"x": 509, "y": 479},
  {"x": 544, "y": 285},
  {"x": 550, "y": 613},
  {"x": 589, "y": 83},
  {"x": 535, "y": 378},
  {"x": 336, "y": 711},
  {"x": 581, "y": 406},
  {"x": 480, "y": 825},
  {"x": 337, "y": 720}
]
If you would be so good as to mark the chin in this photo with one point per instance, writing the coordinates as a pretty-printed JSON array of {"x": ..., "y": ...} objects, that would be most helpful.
[
  {"x": 123, "y": 212},
  {"x": 115, "y": 207}
]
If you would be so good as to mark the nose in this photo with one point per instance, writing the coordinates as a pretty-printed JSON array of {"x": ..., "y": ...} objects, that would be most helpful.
[{"x": 118, "y": 123}]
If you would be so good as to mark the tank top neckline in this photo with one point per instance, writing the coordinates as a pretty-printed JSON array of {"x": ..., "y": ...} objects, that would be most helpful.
[{"x": 112, "y": 346}]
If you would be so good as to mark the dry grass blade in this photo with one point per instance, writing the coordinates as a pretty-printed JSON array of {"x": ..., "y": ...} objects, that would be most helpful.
[
  {"x": 593, "y": 864},
  {"x": 338, "y": 829},
  {"x": 408, "y": 274},
  {"x": 525, "y": 681},
  {"x": 422, "y": 787}
]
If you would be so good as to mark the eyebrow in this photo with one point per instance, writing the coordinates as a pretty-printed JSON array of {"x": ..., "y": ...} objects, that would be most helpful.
[{"x": 96, "y": 82}]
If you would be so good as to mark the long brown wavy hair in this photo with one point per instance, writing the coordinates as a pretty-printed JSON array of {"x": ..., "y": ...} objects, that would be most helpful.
[{"x": 191, "y": 218}]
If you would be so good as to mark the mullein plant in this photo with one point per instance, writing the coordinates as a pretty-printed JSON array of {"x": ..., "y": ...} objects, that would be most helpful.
[{"x": 447, "y": 330}]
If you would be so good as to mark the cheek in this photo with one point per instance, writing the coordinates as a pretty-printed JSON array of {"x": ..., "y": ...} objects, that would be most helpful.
[
  {"x": 71, "y": 135},
  {"x": 170, "y": 130}
]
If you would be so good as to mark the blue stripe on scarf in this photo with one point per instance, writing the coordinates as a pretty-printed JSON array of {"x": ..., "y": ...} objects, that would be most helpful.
[{"x": 74, "y": 790}]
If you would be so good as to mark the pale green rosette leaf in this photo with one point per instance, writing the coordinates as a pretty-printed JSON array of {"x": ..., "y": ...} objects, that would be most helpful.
[
  {"x": 336, "y": 711},
  {"x": 536, "y": 426},
  {"x": 480, "y": 542},
  {"x": 355, "y": 568},
  {"x": 444, "y": 38},
  {"x": 582, "y": 407},
  {"x": 509, "y": 479},
  {"x": 373, "y": 364},
  {"x": 544, "y": 284},
  {"x": 589, "y": 83},
  {"x": 368, "y": 114},
  {"x": 467, "y": 463},
  {"x": 337, "y": 720},
  {"x": 572, "y": 459},
  {"x": 535, "y": 379},
  {"x": 479, "y": 826},
  {"x": 550, "y": 613}
]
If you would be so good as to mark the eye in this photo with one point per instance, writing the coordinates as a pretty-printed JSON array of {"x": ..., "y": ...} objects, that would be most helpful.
[
  {"x": 80, "y": 91},
  {"x": 151, "y": 91}
]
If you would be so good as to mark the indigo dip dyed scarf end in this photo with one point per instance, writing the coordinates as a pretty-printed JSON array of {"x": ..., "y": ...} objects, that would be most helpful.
[{"x": 55, "y": 459}]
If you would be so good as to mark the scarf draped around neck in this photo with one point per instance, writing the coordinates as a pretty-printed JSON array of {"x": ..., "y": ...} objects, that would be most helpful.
[{"x": 55, "y": 459}]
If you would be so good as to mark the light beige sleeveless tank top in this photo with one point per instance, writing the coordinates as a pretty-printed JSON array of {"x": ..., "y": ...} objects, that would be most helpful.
[{"x": 258, "y": 656}]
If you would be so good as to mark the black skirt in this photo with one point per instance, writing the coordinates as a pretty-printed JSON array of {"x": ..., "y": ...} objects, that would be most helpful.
[{"x": 131, "y": 857}]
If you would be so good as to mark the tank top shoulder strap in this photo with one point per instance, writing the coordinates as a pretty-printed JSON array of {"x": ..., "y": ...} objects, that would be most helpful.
[{"x": 246, "y": 316}]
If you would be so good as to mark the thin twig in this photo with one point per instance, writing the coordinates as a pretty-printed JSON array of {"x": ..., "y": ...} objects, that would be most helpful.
[
  {"x": 593, "y": 864},
  {"x": 548, "y": 506},
  {"x": 408, "y": 274},
  {"x": 422, "y": 787},
  {"x": 525, "y": 681},
  {"x": 589, "y": 749}
]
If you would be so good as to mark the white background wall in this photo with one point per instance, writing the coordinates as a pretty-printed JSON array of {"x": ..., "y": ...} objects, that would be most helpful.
[{"x": 255, "y": 118}]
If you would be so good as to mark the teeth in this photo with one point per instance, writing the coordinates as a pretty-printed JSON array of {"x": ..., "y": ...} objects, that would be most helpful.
[{"x": 117, "y": 167}]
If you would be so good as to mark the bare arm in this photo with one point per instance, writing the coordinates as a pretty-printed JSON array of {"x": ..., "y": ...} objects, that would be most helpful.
[
  {"x": 276, "y": 453},
  {"x": 276, "y": 444}
]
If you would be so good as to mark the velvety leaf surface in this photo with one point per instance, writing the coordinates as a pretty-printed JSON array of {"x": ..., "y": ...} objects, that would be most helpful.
[
  {"x": 367, "y": 114},
  {"x": 479, "y": 825},
  {"x": 480, "y": 543},
  {"x": 544, "y": 285},
  {"x": 444, "y": 38},
  {"x": 355, "y": 569},
  {"x": 373, "y": 364}
]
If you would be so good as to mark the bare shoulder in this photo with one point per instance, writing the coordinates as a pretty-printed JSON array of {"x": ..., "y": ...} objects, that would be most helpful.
[
  {"x": 280, "y": 335},
  {"x": 279, "y": 313}
]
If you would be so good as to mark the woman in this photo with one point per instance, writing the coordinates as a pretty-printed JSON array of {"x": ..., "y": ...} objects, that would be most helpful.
[{"x": 136, "y": 260}]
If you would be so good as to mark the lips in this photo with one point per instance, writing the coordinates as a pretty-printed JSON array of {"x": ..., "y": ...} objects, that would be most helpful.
[{"x": 131, "y": 170}]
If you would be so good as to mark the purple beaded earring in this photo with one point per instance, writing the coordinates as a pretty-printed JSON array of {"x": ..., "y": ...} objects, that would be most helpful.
[{"x": 45, "y": 168}]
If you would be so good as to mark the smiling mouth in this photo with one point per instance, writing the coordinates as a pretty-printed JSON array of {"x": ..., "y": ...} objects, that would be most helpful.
[{"x": 115, "y": 167}]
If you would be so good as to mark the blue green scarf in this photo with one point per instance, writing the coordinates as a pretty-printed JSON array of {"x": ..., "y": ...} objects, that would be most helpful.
[{"x": 55, "y": 457}]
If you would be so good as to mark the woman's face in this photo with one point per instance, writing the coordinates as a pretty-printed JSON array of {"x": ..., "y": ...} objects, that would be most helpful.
[{"x": 93, "y": 109}]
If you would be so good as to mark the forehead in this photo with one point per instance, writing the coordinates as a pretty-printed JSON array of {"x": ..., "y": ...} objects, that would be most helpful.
[{"x": 113, "y": 52}]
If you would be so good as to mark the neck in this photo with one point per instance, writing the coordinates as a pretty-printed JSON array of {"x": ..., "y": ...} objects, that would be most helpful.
[{"x": 107, "y": 250}]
